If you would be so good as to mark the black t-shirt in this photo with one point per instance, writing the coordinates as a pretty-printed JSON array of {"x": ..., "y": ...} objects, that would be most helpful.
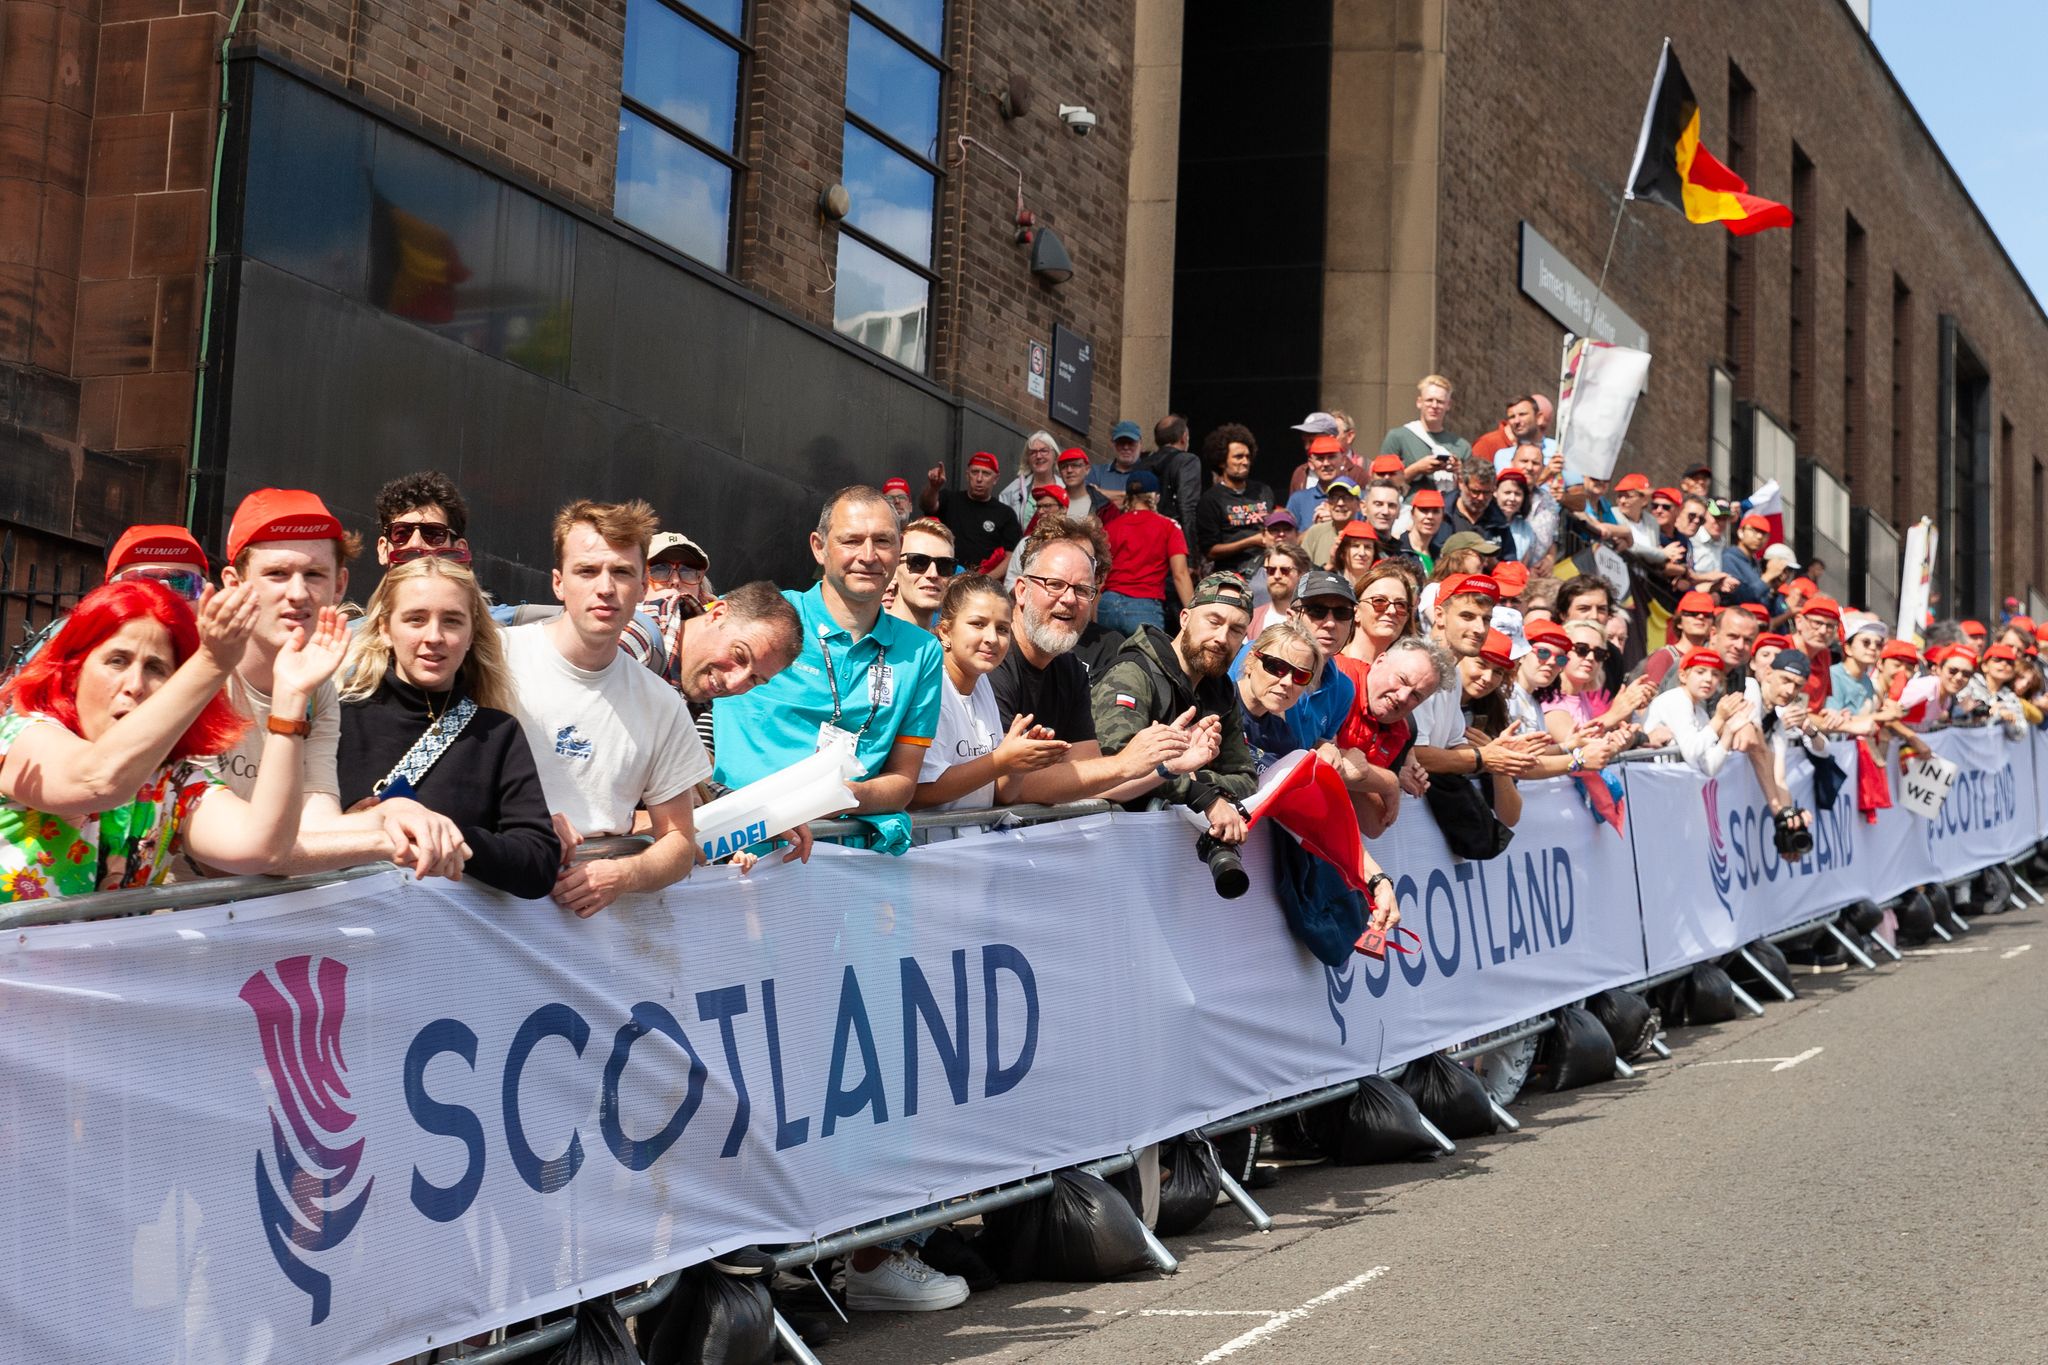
[
  {"x": 1055, "y": 696},
  {"x": 1223, "y": 515},
  {"x": 979, "y": 528},
  {"x": 1097, "y": 649}
]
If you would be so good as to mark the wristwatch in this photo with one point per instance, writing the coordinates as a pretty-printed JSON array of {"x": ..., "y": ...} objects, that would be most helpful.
[
  {"x": 1166, "y": 774},
  {"x": 278, "y": 725},
  {"x": 1372, "y": 885}
]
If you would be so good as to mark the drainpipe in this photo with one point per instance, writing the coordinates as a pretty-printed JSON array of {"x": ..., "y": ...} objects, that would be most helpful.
[{"x": 220, "y": 148}]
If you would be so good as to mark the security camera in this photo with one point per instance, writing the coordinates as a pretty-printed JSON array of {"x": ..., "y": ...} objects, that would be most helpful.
[{"x": 1078, "y": 117}]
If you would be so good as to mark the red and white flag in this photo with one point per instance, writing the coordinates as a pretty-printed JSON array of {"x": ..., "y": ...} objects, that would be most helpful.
[{"x": 1305, "y": 796}]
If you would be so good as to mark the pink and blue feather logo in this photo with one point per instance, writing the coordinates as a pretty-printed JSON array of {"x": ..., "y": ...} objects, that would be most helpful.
[
  {"x": 1717, "y": 849},
  {"x": 306, "y": 1189}
]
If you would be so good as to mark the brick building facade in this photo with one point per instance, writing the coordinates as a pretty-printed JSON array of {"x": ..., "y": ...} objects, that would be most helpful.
[{"x": 109, "y": 126}]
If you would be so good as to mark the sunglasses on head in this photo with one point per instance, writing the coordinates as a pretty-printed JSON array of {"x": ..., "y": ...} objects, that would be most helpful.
[
  {"x": 434, "y": 534},
  {"x": 920, "y": 565},
  {"x": 1321, "y": 611},
  {"x": 1280, "y": 668}
]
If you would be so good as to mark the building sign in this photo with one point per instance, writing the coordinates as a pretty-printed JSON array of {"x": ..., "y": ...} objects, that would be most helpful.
[
  {"x": 1073, "y": 378},
  {"x": 1034, "y": 368},
  {"x": 1562, "y": 290}
]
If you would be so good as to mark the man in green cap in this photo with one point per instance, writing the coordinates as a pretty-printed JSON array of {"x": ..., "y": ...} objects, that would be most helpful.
[
  {"x": 1157, "y": 678},
  {"x": 1469, "y": 540}
]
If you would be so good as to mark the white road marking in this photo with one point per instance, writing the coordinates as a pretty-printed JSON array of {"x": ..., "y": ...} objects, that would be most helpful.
[
  {"x": 2014, "y": 952},
  {"x": 1208, "y": 1313},
  {"x": 1946, "y": 952},
  {"x": 1279, "y": 1321},
  {"x": 1805, "y": 1056},
  {"x": 1777, "y": 1063}
]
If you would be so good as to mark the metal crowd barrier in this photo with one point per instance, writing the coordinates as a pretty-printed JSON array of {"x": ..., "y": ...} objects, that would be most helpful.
[{"x": 545, "y": 1336}]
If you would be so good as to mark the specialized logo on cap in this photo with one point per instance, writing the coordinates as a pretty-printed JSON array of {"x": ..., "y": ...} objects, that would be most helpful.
[
  {"x": 299, "y": 528},
  {"x": 160, "y": 551},
  {"x": 299, "y": 1191}
]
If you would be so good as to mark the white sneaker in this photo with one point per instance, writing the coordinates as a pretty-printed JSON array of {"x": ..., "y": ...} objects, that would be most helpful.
[{"x": 903, "y": 1284}]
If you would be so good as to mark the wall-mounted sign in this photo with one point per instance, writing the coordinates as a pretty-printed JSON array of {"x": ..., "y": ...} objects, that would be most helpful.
[
  {"x": 1562, "y": 290},
  {"x": 1034, "y": 368},
  {"x": 1073, "y": 378}
]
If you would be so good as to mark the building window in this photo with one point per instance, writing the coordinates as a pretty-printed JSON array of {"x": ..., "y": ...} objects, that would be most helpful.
[
  {"x": 679, "y": 114},
  {"x": 894, "y": 75}
]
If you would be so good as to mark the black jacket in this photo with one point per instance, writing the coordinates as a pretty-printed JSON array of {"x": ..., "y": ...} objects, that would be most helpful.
[
  {"x": 1146, "y": 684},
  {"x": 486, "y": 783}
]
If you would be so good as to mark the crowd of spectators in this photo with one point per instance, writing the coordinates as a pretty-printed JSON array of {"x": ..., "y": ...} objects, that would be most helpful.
[{"x": 1441, "y": 618}]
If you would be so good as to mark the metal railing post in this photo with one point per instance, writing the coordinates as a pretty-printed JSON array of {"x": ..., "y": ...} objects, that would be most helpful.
[
  {"x": 1783, "y": 991},
  {"x": 1851, "y": 947}
]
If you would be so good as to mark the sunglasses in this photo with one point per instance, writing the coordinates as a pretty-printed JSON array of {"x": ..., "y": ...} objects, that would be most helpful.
[
  {"x": 1586, "y": 651},
  {"x": 189, "y": 584},
  {"x": 1659, "y": 505},
  {"x": 662, "y": 571},
  {"x": 1957, "y": 672},
  {"x": 920, "y": 565},
  {"x": 1396, "y": 607},
  {"x": 1284, "y": 566},
  {"x": 1546, "y": 654},
  {"x": 1321, "y": 611},
  {"x": 433, "y": 533},
  {"x": 1280, "y": 668}
]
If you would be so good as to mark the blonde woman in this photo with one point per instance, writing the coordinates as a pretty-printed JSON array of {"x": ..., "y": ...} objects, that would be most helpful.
[{"x": 425, "y": 697}]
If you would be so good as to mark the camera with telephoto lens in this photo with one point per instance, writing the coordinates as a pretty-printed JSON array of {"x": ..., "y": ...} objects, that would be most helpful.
[{"x": 1226, "y": 868}]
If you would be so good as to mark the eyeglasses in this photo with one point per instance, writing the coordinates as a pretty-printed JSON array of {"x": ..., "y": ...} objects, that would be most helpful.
[
  {"x": 1057, "y": 588},
  {"x": 665, "y": 571},
  {"x": 1396, "y": 607},
  {"x": 1689, "y": 516},
  {"x": 1545, "y": 654},
  {"x": 189, "y": 584},
  {"x": 920, "y": 565},
  {"x": 433, "y": 533},
  {"x": 1280, "y": 668},
  {"x": 1322, "y": 611}
]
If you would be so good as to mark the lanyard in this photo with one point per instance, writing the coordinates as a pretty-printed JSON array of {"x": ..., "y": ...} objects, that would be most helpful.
[{"x": 832, "y": 680}]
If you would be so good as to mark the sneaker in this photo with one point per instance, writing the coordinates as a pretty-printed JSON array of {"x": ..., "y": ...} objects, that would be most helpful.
[
  {"x": 1287, "y": 1144},
  {"x": 1819, "y": 960},
  {"x": 903, "y": 1284}
]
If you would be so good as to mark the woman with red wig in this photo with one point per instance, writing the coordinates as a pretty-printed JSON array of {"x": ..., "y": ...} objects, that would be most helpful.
[{"x": 100, "y": 780}]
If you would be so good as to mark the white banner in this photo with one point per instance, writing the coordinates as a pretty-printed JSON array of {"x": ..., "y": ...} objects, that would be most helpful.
[
  {"x": 332, "y": 1125},
  {"x": 1596, "y": 398}
]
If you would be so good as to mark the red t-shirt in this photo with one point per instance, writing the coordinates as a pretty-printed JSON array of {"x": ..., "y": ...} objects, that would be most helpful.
[
  {"x": 1384, "y": 746},
  {"x": 1140, "y": 544}
]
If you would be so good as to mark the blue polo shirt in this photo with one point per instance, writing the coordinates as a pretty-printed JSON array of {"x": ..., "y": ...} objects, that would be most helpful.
[
  {"x": 1314, "y": 718},
  {"x": 887, "y": 685}
]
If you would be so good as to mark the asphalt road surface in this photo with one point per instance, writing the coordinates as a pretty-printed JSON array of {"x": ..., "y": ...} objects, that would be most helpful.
[{"x": 1856, "y": 1176}]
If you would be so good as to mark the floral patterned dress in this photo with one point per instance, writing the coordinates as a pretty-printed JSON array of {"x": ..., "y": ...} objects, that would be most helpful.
[{"x": 130, "y": 845}]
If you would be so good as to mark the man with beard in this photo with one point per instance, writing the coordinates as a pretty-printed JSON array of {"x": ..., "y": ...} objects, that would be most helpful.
[
  {"x": 864, "y": 679},
  {"x": 1040, "y": 677},
  {"x": 1159, "y": 679}
]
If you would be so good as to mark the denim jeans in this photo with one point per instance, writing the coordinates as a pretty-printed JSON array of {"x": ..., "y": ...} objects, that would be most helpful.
[{"x": 1125, "y": 614}]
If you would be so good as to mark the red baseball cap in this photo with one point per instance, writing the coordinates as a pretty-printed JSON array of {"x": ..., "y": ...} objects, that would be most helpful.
[
  {"x": 1358, "y": 530},
  {"x": 172, "y": 545},
  {"x": 1050, "y": 490},
  {"x": 1758, "y": 610},
  {"x": 1975, "y": 628},
  {"x": 1702, "y": 658},
  {"x": 2005, "y": 652},
  {"x": 1388, "y": 464},
  {"x": 1702, "y": 603},
  {"x": 1073, "y": 453},
  {"x": 1427, "y": 497},
  {"x": 2025, "y": 623},
  {"x": 1963, "y": 652},
  {"x": 981, "y": 459},
  {"x": 1512, "y": 475},
  {"x": 1540, "y": 632},
  {"x": 1486, "y": 585},
  {"x": 1805, "y": 587},
  {"x": 1772, "y": 640},
  {"x": 1823, "y": 606},
  {"x": 280, "y": 514},
  {"x": 1633, "y": 483},
  {"x": 1899, "y": 649},
  {"x": 1671, "y": 495},
  {"x": 1754, "y": 522},
  {"x": 1512, "y": 577},
  {"x": 1326, "y": 445},
  {"x": 1498, "y": 650},
  {"x": 896, "y": 486}
]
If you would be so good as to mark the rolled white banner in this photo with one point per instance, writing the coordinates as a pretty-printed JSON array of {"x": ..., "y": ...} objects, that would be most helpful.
[{"x": 800, "y": 793}]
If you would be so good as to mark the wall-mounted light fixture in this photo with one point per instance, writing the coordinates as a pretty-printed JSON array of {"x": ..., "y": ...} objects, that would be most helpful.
[{"x": 1050, "y": 262}]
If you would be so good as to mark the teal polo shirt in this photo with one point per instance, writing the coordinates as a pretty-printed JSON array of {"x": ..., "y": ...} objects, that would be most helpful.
[{"x": 887, "y": 684}]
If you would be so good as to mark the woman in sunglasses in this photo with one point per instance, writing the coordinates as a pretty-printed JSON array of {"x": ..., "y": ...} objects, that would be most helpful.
[
  {"x": 1577, "y": 707},
  {"x": 426, "y": 713},
  {"x": 1280, "y": 666},
  {"x": 1386, "y": 611}
]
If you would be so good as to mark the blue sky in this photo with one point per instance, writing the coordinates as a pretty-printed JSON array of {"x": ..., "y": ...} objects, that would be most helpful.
[{"x": 1972, "y": 69}]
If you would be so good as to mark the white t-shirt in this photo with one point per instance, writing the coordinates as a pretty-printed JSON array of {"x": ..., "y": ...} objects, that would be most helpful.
[
  {"x": 1691, "y": 726},
  {"x": 1440, "y": 720},
  {"x": 604, "y": 742},
  {"x": 317, "y": 762},
  {"x": 969, "y": 727}
]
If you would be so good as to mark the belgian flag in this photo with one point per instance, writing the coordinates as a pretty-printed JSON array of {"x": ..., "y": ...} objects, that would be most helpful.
[{"x": 1674, "y": 170}]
